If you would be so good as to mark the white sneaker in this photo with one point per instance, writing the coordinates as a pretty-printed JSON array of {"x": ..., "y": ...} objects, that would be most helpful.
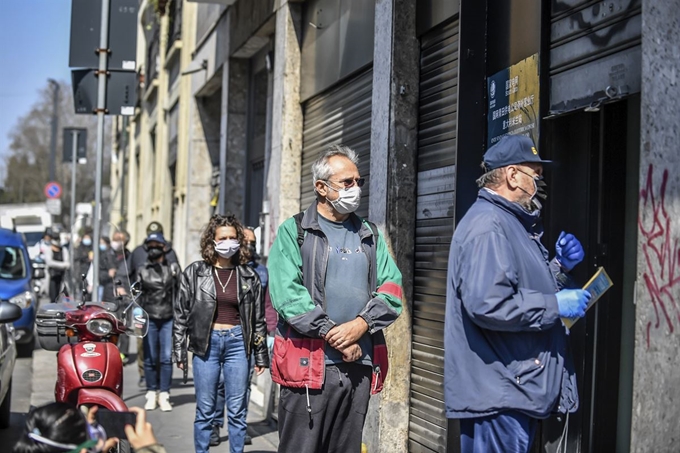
[
  {"x": 164, "y": 401},
  {"x": 151, "y": 400}
]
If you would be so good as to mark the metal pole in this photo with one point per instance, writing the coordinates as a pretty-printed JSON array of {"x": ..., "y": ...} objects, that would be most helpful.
[
  {"x": 101, "y": 105},
  {"x": 123, "y": 160},
  {"x": 74, "y": 152},
  {"x": 55, "y": 120}
]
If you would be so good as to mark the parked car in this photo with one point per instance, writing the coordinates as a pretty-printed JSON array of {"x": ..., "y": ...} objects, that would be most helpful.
[
  {"x": 16, "y": 275},
  {"x": 8, "y": 354}
]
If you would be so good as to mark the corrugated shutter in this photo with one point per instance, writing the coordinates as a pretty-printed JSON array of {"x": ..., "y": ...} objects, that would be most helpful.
[
  {"x": 434, "y": 228},
  {"x": 595, "y": 52},
  {"x": 341, "y": 115}
]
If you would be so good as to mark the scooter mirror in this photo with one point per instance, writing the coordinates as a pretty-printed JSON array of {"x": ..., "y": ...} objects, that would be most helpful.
[
  {"x": 135, "y": 289},
  {"x": 136, "y": 320}
]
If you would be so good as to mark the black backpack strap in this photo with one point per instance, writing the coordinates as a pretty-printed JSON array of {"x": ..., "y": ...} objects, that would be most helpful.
[
  {"x": 300, "y": 232},
  {"x": 374, "y": 229}
]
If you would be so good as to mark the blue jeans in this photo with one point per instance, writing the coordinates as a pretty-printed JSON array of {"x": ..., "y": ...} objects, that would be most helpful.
[
  {"x": 158, "y": 348},
  {"x": 225, "y": 356},
  {"x": 507, "y": 432},
  {"x": 219, "y": 411}
]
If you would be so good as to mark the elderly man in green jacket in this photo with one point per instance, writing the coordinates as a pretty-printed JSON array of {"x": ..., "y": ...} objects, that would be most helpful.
[{"x": 335, "y": 287}]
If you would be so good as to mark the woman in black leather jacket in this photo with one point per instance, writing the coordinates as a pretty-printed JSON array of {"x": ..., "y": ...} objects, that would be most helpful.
[{"x": 220, "y": 311}]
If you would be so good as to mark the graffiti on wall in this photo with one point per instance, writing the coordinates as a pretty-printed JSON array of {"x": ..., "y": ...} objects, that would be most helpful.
[{"x": 661, "y": 251}]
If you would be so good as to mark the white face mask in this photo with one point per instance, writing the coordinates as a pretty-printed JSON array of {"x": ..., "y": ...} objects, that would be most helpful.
[
  {"x": 227, "y": 248},
  {"x": 116, "y": 245},
  {"x": 348, "y": 199}
]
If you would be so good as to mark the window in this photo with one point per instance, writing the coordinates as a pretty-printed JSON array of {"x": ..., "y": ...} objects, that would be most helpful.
[{"x": 12, "y": 265}]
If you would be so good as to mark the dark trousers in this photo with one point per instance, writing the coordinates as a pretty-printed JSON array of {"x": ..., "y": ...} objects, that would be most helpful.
[
  {"x": 337, "y": 415},
  {"x": 507, "y": 432},
  {"x": 55, "y": 286}
]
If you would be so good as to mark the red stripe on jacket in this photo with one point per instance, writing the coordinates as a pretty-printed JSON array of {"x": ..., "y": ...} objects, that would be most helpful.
[{"x": 392, "y": 289}]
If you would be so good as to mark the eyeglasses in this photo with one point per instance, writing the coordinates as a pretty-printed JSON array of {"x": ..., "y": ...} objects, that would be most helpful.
[
  {"x": 349, "y": 182},
  {"x": 536, "y": 176}
]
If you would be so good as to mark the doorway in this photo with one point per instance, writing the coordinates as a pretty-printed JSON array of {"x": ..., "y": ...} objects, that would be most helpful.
[{"x": 593, "y": 193}]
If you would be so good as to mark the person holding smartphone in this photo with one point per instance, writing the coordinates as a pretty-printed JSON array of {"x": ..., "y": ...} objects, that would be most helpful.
[
  {"x": 63, "y": 427},
  {"x": 220, "y": 310}
]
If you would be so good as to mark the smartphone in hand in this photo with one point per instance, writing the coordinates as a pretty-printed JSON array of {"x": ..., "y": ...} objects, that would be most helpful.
[{"x": 114, "y": 422}]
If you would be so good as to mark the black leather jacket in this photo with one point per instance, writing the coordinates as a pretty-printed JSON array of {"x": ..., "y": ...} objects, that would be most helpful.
[
  {"x": 159, "y": 289},
  {"x": 196, "y": 305}
]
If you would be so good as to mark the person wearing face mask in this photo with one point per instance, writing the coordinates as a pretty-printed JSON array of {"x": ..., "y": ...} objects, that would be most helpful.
[
  {"x": 507, "y": 361},
  {"x": 271, "y": 320},
  {"x": 219, "y": 316},
  {"x": 57, "y": 262},
  {"x": 158, "y": 281},
  {"x": 82, "y": 260},
  {"x": 105, "y": 290},
  {"x": 119, "y": 253},
  {"x": 126, "y": 273},
  {"x": 335, "y": 287}
]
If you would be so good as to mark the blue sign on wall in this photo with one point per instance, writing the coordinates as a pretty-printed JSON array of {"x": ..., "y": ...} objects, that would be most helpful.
[{"x": 513, "y": 95}]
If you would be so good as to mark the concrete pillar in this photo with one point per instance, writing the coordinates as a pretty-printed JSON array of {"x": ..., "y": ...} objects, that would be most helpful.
[
  {"x": 162, "y": 194},
  {"x": 186, "y": 103},
  {"x": 656, "y": 388},
  {"x": 283, "y": 180},
  {"x": 393, "y": 200},
  {"x": 235, "y": 95}
]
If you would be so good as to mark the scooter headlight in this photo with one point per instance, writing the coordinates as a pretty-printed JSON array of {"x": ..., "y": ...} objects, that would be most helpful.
[{"x": 99, "y": 327}]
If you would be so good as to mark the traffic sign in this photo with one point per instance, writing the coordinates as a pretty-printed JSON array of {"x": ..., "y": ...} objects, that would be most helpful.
[
  {"x": 52, "y": 189},
  {"x": 53, "y": 206}
]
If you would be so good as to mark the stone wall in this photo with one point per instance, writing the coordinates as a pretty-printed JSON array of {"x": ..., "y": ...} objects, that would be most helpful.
[{"x": 656, "y": 392}]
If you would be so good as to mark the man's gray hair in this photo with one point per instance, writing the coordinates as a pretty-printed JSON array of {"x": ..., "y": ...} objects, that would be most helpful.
[
  {"x": 492, "y": 178},
  {"x": 321, "y": 170}
]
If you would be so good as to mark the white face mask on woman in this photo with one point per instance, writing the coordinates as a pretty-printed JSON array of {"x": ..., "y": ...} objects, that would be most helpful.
[
  {"x": 348, "y": 199},
  {"x": 227, "y": 248}
]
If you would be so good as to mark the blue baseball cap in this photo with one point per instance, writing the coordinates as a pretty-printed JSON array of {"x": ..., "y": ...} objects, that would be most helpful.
[
  {"x": 155, "y": 237},
  {"x": 512, "y": 149}
]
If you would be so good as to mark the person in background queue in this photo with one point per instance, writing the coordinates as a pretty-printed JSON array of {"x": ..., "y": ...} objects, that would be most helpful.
[
  {"x": 334, "y": 295},
  {"x": 120, "y": 252},
  {"x": 158, "y": 281},
  {"x": 220, "y": 311},
  {"x": 57, "y": 262},
  {"x": 126, "y": 273},
  {"x": 506, "y": 360},
  {"x": 105, "y": 291},
  {"x": 82, "y": 257}
]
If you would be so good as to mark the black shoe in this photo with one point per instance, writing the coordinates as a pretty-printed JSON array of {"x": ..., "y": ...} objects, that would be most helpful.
[
  {"x": 248, "y": 440},
  {"x": 215, "y": 436},
  {"x": 141, "y": 383}
]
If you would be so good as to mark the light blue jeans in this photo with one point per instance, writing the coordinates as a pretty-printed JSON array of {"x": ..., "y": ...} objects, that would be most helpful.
[{"x": 225, "y": 356}]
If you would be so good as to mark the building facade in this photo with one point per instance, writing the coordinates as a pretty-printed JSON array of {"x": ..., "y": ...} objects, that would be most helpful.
[{"x": 420, "y": 90}]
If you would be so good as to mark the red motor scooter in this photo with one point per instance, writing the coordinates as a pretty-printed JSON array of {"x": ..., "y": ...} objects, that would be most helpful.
[{"x": 89, "y": 367}]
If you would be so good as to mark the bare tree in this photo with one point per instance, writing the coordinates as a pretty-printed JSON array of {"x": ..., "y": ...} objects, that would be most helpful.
[{"x": 27, "y": 160}]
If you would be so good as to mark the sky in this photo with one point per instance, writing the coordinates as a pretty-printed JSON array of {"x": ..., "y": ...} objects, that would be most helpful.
[{"x": 34, "y": 47}]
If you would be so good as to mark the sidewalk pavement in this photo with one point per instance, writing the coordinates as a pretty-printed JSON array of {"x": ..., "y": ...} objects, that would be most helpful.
[{"x": 173, "y": 429}]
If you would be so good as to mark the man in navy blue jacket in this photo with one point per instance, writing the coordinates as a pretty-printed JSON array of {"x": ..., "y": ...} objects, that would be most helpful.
[{"x": 506, "y": 363}]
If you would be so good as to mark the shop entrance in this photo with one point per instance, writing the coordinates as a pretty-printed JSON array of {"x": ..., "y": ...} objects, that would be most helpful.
[{"x": 593, "y": 193}]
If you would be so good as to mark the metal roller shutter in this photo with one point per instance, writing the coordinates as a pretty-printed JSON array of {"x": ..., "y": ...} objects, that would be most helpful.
[
  {"x": 434, "y": 228},
  {"x": 595, "y": 52},
  {"x": 341, "y": 115}
]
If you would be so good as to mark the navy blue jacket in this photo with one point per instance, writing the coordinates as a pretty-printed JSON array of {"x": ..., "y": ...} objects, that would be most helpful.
[{"x": 505, "y": 346}]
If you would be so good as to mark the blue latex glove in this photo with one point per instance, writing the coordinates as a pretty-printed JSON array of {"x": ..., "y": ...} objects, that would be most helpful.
[
  {"x": 572, "y": 303},
  {"x": 569, "y": 251}
]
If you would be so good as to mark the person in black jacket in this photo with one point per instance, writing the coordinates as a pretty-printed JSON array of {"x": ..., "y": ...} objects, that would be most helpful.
[
  {"x": 220, "y": 311},
  {"x": 126, "y": 273},
  {"x": 159, "y": 287}
]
